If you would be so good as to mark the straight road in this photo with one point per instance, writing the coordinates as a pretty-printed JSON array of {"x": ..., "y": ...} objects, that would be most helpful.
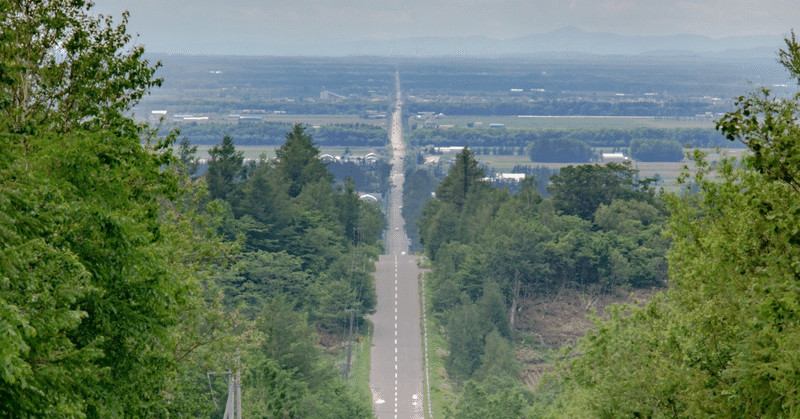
[{"x": 396, "y": 374}]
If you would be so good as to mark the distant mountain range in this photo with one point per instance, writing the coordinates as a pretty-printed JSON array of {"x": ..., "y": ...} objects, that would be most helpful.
[{"x": 565, "y": 41}]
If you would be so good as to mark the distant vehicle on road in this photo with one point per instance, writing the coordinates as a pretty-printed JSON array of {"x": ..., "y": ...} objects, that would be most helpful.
[{"x": 397, "y": 229}]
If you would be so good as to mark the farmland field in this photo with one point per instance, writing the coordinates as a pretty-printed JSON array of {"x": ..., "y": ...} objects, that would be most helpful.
[
  {"x": 322, "y": 119},
  {"x": 667, "y": 171},
  {"x": 576, "y": 122}
]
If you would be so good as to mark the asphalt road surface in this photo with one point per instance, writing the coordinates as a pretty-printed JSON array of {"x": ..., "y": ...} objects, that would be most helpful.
[{"x": 396, "y": 374}]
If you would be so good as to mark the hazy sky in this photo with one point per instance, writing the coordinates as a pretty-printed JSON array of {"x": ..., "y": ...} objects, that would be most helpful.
[{"x": 163, "y": 24}]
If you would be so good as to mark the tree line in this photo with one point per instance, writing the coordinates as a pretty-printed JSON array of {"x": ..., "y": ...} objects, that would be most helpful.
[
  {"x": 604, "y": 137},
  {"x": 273, "y": 133},
  {"x": 125, "y": 280},
  {"x": 490, "y": 248}
]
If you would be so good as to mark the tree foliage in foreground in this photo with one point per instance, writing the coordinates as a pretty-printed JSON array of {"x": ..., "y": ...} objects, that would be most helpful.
[
  {"x": 105, "y": 299},
  {"x": 108, "y": 301},
  {"x": 722, "y": 341}
]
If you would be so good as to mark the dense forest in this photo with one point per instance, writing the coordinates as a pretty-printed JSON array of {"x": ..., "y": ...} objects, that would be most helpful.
[
  {"x": 718, "y": 342},
  {"x": 127, "y": 280},
  {"x": 491, "y": 248}
]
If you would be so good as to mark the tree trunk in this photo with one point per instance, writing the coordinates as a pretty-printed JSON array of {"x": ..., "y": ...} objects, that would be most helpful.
[{"x": 514, "y": 301}]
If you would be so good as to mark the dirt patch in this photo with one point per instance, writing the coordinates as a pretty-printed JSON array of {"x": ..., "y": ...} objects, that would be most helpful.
[
  {"x": 557, "y": 318},
  {"x": 553, "y": 319}
]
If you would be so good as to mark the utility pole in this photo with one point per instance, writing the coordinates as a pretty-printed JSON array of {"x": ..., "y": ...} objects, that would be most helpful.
[
  {"x": 359, "y": 232},
  {"x": 346, "y": 366},
  {"x": 233, "y": 407}
]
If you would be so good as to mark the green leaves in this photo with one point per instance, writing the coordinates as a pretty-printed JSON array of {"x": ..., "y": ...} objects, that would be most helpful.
[
  {"x": 722, "y": 341},
  {"x": 298, "y": 161},
  {"x": 579, "y": 190},
  {"x": 462, "y": 180},
  {"x": 78, "y": 70}
]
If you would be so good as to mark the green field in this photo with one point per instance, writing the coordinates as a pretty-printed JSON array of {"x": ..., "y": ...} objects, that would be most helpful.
[
  {"x": 575, "y": 122},
  {"x": 668, "y": 171}
]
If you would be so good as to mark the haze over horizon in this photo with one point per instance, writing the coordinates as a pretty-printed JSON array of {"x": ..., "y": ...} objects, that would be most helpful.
[{"x": 337, "y": 27}]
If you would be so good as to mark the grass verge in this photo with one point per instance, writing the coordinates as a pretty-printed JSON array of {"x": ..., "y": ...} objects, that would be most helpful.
[
  {"x": 442, "y": 395},
  {"x": 359, "y": 371}
]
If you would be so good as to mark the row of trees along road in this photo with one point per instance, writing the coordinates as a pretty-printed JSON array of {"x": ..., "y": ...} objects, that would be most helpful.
[
  {"x": 720, "y": 342},
  {"x": 123, "y": 280},
  {"x": 491, "y": 248}
]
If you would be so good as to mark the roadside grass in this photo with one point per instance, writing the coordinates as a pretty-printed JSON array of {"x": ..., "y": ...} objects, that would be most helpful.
[
  {"x": 443, "y": 397},
  {"x": 359, "y": 371}
]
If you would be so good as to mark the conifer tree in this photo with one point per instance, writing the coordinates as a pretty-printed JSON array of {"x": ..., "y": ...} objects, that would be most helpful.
[
  {"x": 462, "y": 179},
  {"x": 224, "y": 168},
  {"x": 298, "y": 161}
]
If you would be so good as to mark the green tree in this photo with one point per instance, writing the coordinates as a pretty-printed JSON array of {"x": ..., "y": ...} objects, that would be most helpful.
[
  {"x": 656, "y": 150},
  {"x": 187, "y": 154},
  {"x": 497, "y": 360},
  {"x": 224, "y": 168},
  {"x": 579, "y": 190},
  {"x": 462, "y": 180},
  {"x": 721, "y": 341},
  {"x": 465, "y": 337},
  {"x": 51, "y": 48},
  {"x": 104, "y": 291},
  {"x": 559, "y": 150},
  {"x": 298, "y": 161}
]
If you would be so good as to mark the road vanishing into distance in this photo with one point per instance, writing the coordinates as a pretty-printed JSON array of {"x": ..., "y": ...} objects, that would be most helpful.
[{"x": 396, "y": 374}]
